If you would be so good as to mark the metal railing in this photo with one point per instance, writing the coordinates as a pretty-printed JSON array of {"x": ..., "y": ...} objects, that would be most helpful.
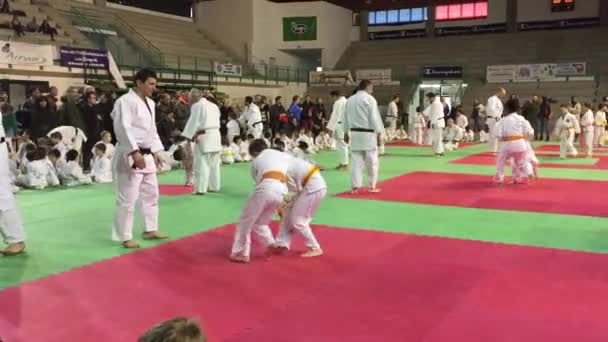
[
  {"x": 99, "y": 37},
  {"x": 131, "y": 33}
]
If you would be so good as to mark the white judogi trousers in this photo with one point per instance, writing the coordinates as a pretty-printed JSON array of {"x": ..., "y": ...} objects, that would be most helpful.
[
  {"x": 392, "y": 127},
  {"x": 342, "y": 151},
  {"x": 588, "y": 141},
  {"x": 418, "y": 135},
  {"x": 492, "y": 140},
  {"x": 297, "y": 218},
  {"x": 598, "y": 136},
  {"x": 135, "y": 188},
  {"x": 361, "y": 159},
  {"x": 206, "y": 172},
  {"x": 437, "y": 139},
  {"x": 11, "y": 227},
  {"x": 515, "y": 150},
  {"x": 256, "y": 216},
  {"x": 566, "y": 145}
]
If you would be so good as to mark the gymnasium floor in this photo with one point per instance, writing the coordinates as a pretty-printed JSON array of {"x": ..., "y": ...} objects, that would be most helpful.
[{"x": 440, "y": 255}]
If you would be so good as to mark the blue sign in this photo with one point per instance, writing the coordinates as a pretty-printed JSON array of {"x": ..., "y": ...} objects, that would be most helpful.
[{"x": 81, "y": 58}]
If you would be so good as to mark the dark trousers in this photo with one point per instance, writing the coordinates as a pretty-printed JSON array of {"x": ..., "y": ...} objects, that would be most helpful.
[{"x": 543, "y": 129}]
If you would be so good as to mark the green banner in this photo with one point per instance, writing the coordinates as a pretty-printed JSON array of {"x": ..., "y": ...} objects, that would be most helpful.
[{"x": 299, "y": 28}]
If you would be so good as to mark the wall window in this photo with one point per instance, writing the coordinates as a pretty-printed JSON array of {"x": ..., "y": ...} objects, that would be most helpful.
[
  {"x": 464, "y": 11},
  {"x": 398, "y": 16},
  {"x": 562, "y": 5}
]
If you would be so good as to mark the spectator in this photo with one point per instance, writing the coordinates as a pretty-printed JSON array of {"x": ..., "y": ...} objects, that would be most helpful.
[
  {"x": 166, "y": 128},
  {"x": 225, "y": 110},
  {"x": 105, "y": 106},
  {"x": 52, "y": 98},
  {"x": 318, "y": 117},
  {"x": 5, "y": 8},
  {"x": 44, "y": 119},
  {"x": 69, "y": 114},
  {"x": 307, "y": 113},
  {"x": 278, "y": 116},
  {"x": 9, "y": 120},
  {"x": 182, "y": 111},
  {"x": 17, "y": 26},
  {"x": 93, "y": 123},
  {"x": 164, "y": 107},
  {"x": 295, "y": 111},
  {"x": 544, "y": 117},
  {"x": 32, "y": 26},
  {"x": 476, "y": 116},
  {"x": 530, "y": 111},
  {"x": 46, "y": 28},
  {"x": 265, "y": 110},
  {"x": 24, "y": 116}
]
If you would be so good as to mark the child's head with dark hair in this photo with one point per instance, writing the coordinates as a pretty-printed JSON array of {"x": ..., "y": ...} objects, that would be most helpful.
[
  {"x": 256, "y": 147},
  {"x": 39, "y": 153},
  {"x": 268, "y": 135},
  {"x": 302, "y": 145},
  {"x": 44, "y": 142},
  {"x": 71, "y": 155},
  {"x": 56, "y": 137},
  {"x": 30, "y": 148},
  {"x": 419, "y": 109},
  {"x": 54, "y": 155},
  {"x": 100, "y": 149},
  {"x": 250, "y": 137},
  {"x": 236, "y": 139},
  {"x": 278, "y": 144},
  {"x": 512, "y": 105},
  {"x": 179, "y": 154}
]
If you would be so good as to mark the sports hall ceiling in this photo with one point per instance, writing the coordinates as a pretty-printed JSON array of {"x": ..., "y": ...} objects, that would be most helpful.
[{"x": 370, "y": 4}]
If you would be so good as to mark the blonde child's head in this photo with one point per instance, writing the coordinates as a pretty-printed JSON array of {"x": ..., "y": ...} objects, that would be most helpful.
[{"x": 106, "y": 137}]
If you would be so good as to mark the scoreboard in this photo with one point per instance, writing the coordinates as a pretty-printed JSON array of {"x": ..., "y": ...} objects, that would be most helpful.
[{"x": 562, "y": 5}]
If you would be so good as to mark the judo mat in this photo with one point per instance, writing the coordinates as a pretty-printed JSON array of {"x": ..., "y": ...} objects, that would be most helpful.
[
  {"x": 548, "y": 161},
  {"x": 408, "y": 143},
  {"x": 369, "y": 287},
  {"x": 555, "y": 148},
  {"x": 559, "y": 196},
  {"x": 174, "y": 190}
]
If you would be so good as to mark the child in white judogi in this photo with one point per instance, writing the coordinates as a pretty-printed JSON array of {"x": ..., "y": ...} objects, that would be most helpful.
[
  {"x": 182, "y": 155},
  {"x": 304, "y": 152},
  {"x": 453, "y": 136},
  {"x": 244, "y": 148},
  {"x": 323, "y": 141},
  {"x": 307, "y": 188},
  {"x": 54, "y": 157},
  {"x": 483, "y": 136},
  {"x": 269, "y": 170},
  {"x": 289, "y": 144},
  {"x": 71, "y": 173},
  {"x": 306, "y": 136},
  {"x": 58, "y": 144},
  {"x": 587, "y": 128},
  {"x": 401, "y": 133},
  {"x": 101, "y": 170},
  {"x": 469, "y": 136},
  {"x": 233, "y": 127},
  {"x": 566, "y": 129},
  {"x": 226, "y": 154},
  {"x": 600, "y": 125},
  {"x": 419, "y": 126},
  {"x": 106, "y": 139},
  {"x": 39, "y": 171},
  {"x": 235, "y": 146},
  {"x": 267, "y": 137}
]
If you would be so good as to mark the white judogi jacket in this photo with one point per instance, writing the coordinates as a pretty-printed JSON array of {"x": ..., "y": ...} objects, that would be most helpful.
[
  {"x": 587, "y": 121},
  {"x": 252, "y": 117},
  {"x": 205, "y": 115},
  {"x": 600, "y": 118},
  {"x": 362, "y": 114},
  {"x": 392, "y": 112},
  {"x": 462, "y": 121},
  {"x": 135, "y": 128},
  {"x": 435, "y": 113},
  {"x": 269, "y": 160},
  {"x": 71, "y": 136},
  {"x": 336, "y": 121},
  {"x": 40, "y": 174},
  {"x": 494, "y": 108},
  {"x": 567, "y": 125},
  {"x": 514, "y": 125},
  {"x": 234, "y": 129},
  {"x": 419, "y": 121},
  {"x": 109, "y": 149},
  {"x": 297, "y": 172},
  {"x": 454, "y": 133},
  {"x": 7, "y": 199},
  {"x": 61, "y": 147},
  {"x": 71, "y": 174},
  {"x": 102, "y": 170}
]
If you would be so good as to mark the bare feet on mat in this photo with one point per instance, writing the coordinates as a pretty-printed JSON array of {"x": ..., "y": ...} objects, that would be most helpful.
[
  {"x": 13, "y": 249},
  {"x": 355, "y": 191},
  {"x": 239, "y": 258},
  {"x": 312, "y": 253},
  {"x": 373, "y": 190},
  {"x": 154, "y": 236},
  {"x": 131, "y": 244},
  {"x": 277, "y": 250},
  {"x": 199, "y": 194}
]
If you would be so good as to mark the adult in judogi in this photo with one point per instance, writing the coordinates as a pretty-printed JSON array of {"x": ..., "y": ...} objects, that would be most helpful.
[
  {"x": 11, "y": 227},
  {"x": 203, "y": 128},
  {"x": 136, "y": 159},
  {"x": 336, "y": 127},
  {"x": 363, "y": 127},
  {"x": 437, "y": 122},
  {"x": 252, "y": 118},
  {"x": 494, "y": 109},
  {"x": 392, "y": 115}
]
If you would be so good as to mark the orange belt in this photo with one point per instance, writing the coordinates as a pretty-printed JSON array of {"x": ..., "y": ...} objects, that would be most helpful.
[
  {"x": 512, "y": 138},
  {"x": 309, "y": 174},
  {"x": 276, "y": 175}
]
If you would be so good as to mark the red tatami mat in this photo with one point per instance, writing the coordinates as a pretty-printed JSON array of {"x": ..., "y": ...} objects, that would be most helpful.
[
  {"x": 174, "y": 190},
  {"x": 369, "y": 287},
  {"x": 560, "y": 196},
  {"x": 489, "y": 159},
  {"x": 555, "y": 148},
  {"x": 408, "y": 143}
]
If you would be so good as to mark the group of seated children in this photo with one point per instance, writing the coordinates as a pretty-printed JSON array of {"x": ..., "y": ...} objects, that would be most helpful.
[{"x": 51, "y": 162}]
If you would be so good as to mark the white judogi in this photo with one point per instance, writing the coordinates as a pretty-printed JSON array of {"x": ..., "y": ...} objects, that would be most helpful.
[
  {"x": 513, "y": 130},
  {"x": 71, "y": 174},
  {"x": 109, "y": 149},
  {"x": 363, "y": 122},
  {"x": 135, "y": 128},
  {"x": 336, "y": 125},
  {"x": 462, "y": 121},
  {"x": 418, "y": 124},
  {"x": 102, "y": 170},
  {"x": 62, "y": 148},
  {"x": 264, "y": 201},
  {"x": 205, "y": 116},
  {"x": 566, "y": 130},
  {"x": 494, "y": 109},
  {"x": 227, "y": 155},
  {"x": 252, "y": 117},
  {"x": 71, "y": 136},
  {"x": 453, "y": 137},
  {"x": 234, "y": 129},
  {"x": 600, "y": 128},
  {"x": 38, "y": 175},
  {"x": 587, "y": 127},
  {"x": 11, "y": 227},
  {"x": 435, "y": 114},
  {"x": 392, "y": 114},
  {"x": 308, "y": 188}
]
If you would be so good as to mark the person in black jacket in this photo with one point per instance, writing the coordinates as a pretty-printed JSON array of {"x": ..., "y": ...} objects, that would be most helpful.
[
  {"x": 93, "y": 123},
  {"x": 44, "y": 119},
  {"x": 278, "y": 116}
]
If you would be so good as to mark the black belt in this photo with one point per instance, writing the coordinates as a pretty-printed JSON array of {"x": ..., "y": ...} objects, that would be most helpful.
[
  {"x": 366, "y": 130},
  {"x": 392, "y": 116},
  {"x": 257, "y": 123},
  {"x": 2, "y": 140},
  {"x": 339, "y": 122},
  {"x": 145, "y": 151}
]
